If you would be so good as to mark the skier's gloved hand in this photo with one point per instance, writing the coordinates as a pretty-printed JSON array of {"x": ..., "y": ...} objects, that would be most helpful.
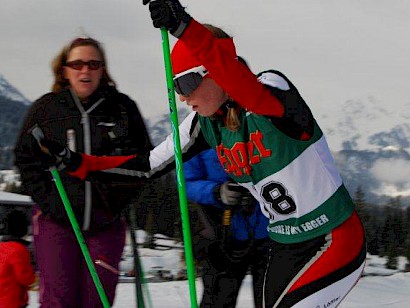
[
  {"x": 169, "y": 14},
  {"x": 65, "y": 158},
  {"x": 231, "y": 193},
  {"x": 54, "y": 148}
]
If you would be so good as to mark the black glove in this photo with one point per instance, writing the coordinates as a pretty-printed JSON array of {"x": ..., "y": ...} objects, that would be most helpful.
[
  {"x": 168, "y": 14},
  {"x": 231, "y": 193},
  {"x": 65, "y": 158}
]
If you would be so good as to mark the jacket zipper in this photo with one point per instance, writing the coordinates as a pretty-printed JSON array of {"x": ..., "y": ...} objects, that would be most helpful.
[{"x": 85, "y": 122}]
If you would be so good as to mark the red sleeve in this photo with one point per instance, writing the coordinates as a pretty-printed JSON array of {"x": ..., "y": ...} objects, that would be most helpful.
[
  {"x": 91, "y": 163},
  {"x": 218, "y": 56}
]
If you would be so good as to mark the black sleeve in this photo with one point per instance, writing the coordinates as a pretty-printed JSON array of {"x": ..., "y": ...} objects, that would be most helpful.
[
  {"x": 30, "y": 161},
  {"x": 298, "y": 118}
]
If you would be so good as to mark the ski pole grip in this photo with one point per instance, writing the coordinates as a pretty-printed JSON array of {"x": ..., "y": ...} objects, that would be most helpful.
[
  {"x": 37, "y": 133},
  {"x": 227, "y": 217}
]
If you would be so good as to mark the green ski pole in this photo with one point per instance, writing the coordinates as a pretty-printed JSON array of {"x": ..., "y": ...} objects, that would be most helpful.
[
  {"x": 38, "y": 134},
  {"x": 186, "y": 231},
  {"x": 79, "y": 236}
]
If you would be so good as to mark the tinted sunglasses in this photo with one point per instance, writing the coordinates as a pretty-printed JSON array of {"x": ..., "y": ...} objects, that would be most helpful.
[
  {"x": 79, "y": 64},
  {"x": 186, "y": 82}
]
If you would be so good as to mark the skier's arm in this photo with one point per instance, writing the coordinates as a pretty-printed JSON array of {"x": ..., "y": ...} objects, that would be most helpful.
[
  {"x": 219, "y": 58},
  {"x": 31, "y": 162},
  {"x": 298, "y": 120},
  {"x": 152, "y": 164},
  {"x": 217, "y": 55},
  {"x": 270, "y": 93},
  {"x": 199, "y": 189}
]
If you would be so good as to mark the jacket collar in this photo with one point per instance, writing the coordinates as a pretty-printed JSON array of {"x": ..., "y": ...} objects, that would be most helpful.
[{"x": 66, "y": 97}]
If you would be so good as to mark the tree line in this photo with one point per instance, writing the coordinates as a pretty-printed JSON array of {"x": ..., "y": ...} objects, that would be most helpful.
[{"x": 387, "y": 227}]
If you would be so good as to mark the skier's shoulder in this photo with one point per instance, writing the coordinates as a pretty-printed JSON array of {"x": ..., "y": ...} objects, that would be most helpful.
[
  {"x": 51, "y": 102},
  {"x": 275, "y": 79},
  {"x": 43, "y": 101}
]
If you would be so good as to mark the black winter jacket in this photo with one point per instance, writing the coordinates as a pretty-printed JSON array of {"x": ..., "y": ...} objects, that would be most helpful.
[{"x": 108, "y": 124}]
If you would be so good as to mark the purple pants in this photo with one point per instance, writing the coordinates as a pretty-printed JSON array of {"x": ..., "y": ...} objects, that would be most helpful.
[{"x": 65, "y": 281}]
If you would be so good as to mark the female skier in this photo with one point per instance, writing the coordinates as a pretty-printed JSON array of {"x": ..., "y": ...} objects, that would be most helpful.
[{"x": 267, "y": 141}]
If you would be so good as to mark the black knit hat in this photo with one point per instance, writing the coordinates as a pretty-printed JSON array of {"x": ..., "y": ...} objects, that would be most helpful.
[{"x": 16, "y": 223}]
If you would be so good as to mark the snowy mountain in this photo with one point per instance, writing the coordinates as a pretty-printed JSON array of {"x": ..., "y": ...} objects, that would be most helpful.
[
  {"x": 382, "y": 174},
  {"x": 369, "y": 152},
  {"x": 13, "y": 106},
  {"x": 160, "y": 127},
  {"x": 9, "y": 92},
  {"x": 362, "y": 125}
]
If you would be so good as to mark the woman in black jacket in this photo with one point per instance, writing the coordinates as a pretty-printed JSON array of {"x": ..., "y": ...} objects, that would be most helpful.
[{"x": 87, "y": 113}]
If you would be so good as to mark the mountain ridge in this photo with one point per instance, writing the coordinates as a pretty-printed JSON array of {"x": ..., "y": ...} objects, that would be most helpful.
[{"x": 8, "y": 91}]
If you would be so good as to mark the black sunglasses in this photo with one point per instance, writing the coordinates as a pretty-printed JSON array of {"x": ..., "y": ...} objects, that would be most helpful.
[
  {"x": 79, "y": 64},
  {"x": 186, "y": 82}
]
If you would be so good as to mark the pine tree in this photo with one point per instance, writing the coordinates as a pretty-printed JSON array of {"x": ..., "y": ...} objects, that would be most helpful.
[
  {"x": 363, "y": 210},
  {"x": 406, "y": 229},
  {"x": 407, "y": 236},
  {"x": 407, "y": 255},
  {"x": 361, "y": 206},
  {"x": 392, "y": 257},
  {"x": 398, "y": 230},
  {"x": 359, "y": 198},
  {"x": 374, "y": 242}
]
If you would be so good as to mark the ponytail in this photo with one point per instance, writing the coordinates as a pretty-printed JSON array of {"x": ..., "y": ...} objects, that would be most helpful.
[{"x": 232, "y": 121}]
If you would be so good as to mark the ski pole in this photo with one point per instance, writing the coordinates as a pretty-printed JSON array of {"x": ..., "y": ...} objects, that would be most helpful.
[
  {"x": 137, "y": 263},
  {"x": 186, "y": 231},
  {"x": 79, "y": 236},
  {"x": 38, "y": 135},
  {"x": 140, "y": 283}
]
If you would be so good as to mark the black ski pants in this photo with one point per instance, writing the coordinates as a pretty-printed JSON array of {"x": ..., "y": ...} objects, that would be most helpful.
[{"x": 224, "y": 271}]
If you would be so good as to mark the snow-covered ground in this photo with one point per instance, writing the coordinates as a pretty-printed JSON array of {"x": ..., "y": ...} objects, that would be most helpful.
[{"x": 379, "y": 287}]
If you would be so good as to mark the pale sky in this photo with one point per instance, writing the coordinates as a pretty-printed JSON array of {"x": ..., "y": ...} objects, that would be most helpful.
[{"x": 333, "y": 51}]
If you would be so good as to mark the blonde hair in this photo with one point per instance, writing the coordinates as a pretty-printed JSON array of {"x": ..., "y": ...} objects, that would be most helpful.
[
  {"x": 60, "y": 60},
  {"x": 232, "y": 121}
]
